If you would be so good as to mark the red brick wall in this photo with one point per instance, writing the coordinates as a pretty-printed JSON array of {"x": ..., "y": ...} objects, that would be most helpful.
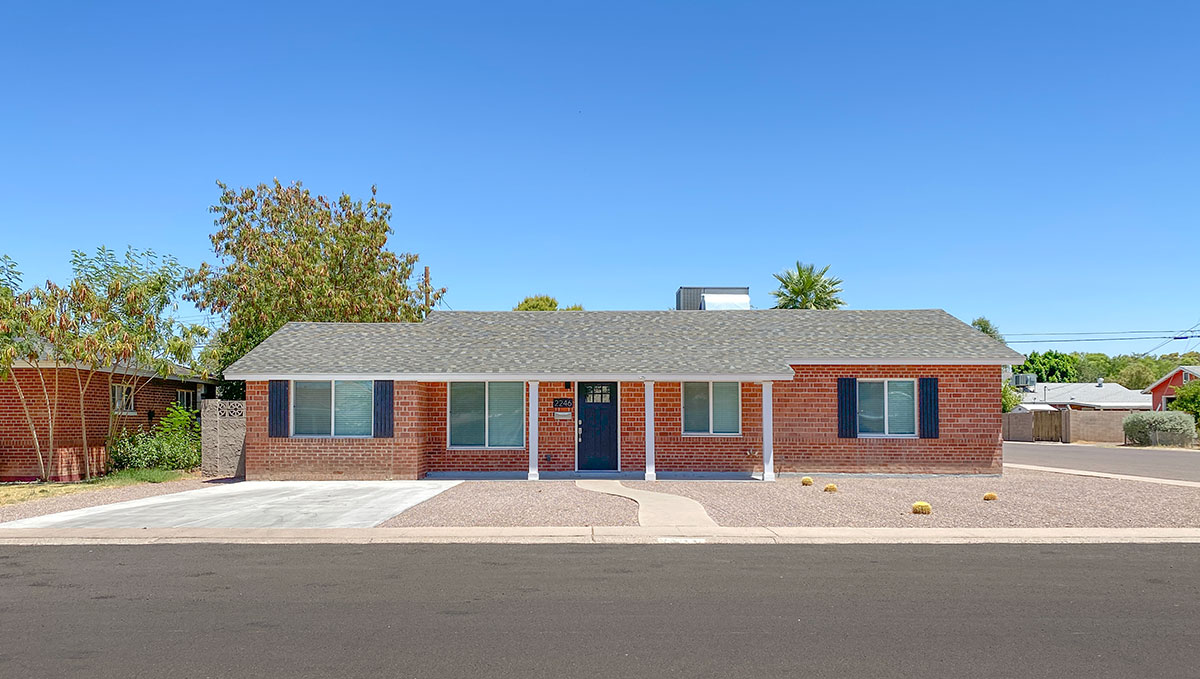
[
  {"x": 805, "y": 423},
  {"x": 674, "y": 452},
  {"x": 18, "y": 456},
  {"x": 399, "y": 457}
]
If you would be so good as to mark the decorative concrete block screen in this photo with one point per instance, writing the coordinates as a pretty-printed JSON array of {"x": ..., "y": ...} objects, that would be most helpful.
[{"x": 222, "y": 438}]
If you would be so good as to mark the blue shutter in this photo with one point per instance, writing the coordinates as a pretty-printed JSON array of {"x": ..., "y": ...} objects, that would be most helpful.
[
  {"x": 847, "y": 389},
  {"x": 277, "y": 408},
  {"x": 928, "y": 405},
  {"x": 383, "y": 409}
]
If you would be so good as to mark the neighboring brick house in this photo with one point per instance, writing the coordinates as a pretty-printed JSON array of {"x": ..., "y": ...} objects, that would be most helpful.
[
  {"x": 18, "y": 457},
  {"x": 649, "y": 392},
  {"x": 1162, "y": 392}
]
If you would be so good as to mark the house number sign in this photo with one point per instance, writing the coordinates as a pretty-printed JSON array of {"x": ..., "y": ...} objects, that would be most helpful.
[{"x": 564, "y": 403}]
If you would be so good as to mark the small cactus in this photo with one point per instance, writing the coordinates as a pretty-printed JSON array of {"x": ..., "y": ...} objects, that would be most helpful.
[
  {"x": 922, "y": 508},
  {"x": 806, "y": 481},
  {"x": 831, "y": 488},
  {"x": 988, "y": 497}
]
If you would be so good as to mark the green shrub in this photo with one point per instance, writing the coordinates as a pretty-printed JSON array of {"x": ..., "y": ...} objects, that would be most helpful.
[
  {"x": 173, "y": 444},
  {"x": 1009, "y": 398},
  {"x": 1187, "y": 399},
  {"x": 1160, "y": 429}
]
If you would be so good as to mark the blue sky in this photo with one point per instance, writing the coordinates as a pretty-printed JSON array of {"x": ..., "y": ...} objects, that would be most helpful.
[{"x": 1036, "y": 162}]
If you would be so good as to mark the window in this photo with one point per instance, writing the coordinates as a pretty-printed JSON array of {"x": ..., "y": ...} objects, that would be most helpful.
[
  {"x": 597, "y": 393},
  {"x": 712, "y": 408},
  {"x": 122, "y": 398},
  {"x": 337, "y": 408},
  {"x": 887, "y": 408},
  {"x": 487, "y": 414},
  {"x": 185, "y": 398}
]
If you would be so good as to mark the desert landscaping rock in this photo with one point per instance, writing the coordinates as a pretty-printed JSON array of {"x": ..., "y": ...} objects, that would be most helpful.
[
  {"x": 519, "y": 503},
  {"x": 1028, "y": 499},
  {"x": 100, "y": 496}
]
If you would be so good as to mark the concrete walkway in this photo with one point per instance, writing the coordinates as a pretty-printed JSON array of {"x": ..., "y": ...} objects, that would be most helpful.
[
  {"x": 253, "y": 504},
  {"x": 655, "y": 509},
  {"x": 598, "y": 534}
]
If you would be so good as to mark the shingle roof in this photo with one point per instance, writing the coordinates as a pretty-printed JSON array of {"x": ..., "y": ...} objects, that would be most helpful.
[
  {"x": 1106, "y": 395},
  {"x": 619, "y": 344}
]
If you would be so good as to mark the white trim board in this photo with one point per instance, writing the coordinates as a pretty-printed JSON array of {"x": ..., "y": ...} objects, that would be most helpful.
[
  {"x": 515, "y": 377},
  {"x": 607, "y": 377}
]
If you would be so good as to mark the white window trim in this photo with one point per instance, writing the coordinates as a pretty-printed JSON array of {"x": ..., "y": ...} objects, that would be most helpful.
[
  {"x": 886, "y": 399},
  {"x": 486, "y": 418},
  {"x": 332, "y": 420},
  {"x": 194, "y": 396},
  {"x": 727, "y": 434},
  {"x": 132, "y": 407}
]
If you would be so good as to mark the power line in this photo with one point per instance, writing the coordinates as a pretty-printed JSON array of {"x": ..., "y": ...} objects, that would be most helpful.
[
  {"x": 1161, "y": 345},
  {"x": 1169, "y": 339},
  {"x": 1099, "y": 332}
]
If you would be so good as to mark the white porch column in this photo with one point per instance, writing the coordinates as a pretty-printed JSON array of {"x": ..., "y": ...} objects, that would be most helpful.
[
  {"x": 533, "y": 431},
  {"x": 768, "y": 433},
  {"x": 649, "y": 430}
]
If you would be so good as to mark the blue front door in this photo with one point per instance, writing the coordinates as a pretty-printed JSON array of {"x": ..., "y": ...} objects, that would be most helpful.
[{"x": 597, "y": 443}]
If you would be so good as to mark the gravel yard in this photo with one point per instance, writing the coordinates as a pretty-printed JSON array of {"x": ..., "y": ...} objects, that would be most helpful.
[
  {"x": 1027, "y": 499},
  {"x": 519, "y": 503},
  {"x": 95, "y": 497}
]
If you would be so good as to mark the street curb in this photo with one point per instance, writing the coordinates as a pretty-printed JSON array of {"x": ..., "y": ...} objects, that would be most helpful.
[{"x": 598, "y": 535}]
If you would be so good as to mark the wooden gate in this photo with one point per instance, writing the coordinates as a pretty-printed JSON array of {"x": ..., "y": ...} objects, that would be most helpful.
[{"x": 1047, "y": 426}]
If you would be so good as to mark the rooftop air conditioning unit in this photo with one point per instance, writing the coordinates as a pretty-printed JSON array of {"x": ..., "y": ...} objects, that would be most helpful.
[{"x": 1024, "y": 380}]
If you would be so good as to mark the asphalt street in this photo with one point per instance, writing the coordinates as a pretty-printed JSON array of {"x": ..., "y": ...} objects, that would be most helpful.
[
  {"x": 600, "y": 611},
  {"x": 1164, "y": 463}
]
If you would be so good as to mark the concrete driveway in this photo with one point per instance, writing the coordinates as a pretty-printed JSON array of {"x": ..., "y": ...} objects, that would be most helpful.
[
  {"x": 255, "y": 504},
  {"x": 1163, "y": 463}
]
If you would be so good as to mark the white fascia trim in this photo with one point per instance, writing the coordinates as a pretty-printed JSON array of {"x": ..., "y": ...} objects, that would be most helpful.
[
  {"x": 515, "y": 377},
  {"x": 903, "y": 361}
]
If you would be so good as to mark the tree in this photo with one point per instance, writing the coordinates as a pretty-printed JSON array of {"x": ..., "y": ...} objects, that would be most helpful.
[
  {"x": 1052, "y": 366},
  {"x": 543, "y": 303},
  {"x": 126, "y": 311},
  {"x": 807, "y": 288},
  {"x": 1137, "y": 375},
  {"x": 1187, "y": 399},
  {"x": 1009, "y": 398},
  {"x": 988, "y": 328},
  {"x": 115, "y": 318},
  {"x": 31, "y": 325},
  {"x": 1093, "y": 366},
  {"x": 286, "y": 255},
  {"x": 10, "y": 278}
]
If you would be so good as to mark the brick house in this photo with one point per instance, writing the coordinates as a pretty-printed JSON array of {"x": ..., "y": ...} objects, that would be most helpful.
[
  {"x": 645, "y": 392},
  {"x": 1162, "y": 392},
  {"x": 145, "y": 408}
]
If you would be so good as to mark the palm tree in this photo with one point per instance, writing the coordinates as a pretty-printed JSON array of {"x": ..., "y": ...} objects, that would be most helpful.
[{"x": 807, "y": 288}]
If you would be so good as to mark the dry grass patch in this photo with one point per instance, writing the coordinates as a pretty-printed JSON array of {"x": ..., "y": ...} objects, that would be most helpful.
[{"x": 13, "y": 493}]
